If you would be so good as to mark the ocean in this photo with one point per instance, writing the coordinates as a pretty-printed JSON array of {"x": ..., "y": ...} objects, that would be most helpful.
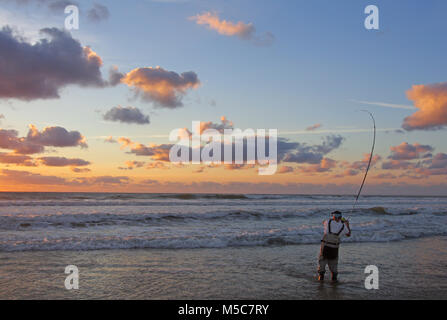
[
  {"x": 212, "y": 244},
  {"x": 91, "y": 221}
]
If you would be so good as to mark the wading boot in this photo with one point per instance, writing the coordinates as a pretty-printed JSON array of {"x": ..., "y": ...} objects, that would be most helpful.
[
  {"x": 321, "y": 277},
  {"x": 334, "y": 277}
]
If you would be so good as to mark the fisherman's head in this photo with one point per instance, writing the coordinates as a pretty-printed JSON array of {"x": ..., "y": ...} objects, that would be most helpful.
[{"x": 336, "y": 215}]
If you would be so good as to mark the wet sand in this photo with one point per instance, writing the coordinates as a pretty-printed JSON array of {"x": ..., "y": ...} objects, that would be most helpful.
[{"x": 411, "y": 269}]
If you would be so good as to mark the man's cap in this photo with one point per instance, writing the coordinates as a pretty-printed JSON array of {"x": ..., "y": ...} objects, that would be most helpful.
[{"x": 336, "y": 213}]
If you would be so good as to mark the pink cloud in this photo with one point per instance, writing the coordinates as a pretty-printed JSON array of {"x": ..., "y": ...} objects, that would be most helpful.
[
  {"x": 406, "y": 151},
  {"x": 431, "y": 100}
]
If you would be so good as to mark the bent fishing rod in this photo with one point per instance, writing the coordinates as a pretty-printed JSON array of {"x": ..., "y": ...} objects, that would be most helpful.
[
  {"x": 368, "y": 166},
  {"x": 369, "y": 162}
]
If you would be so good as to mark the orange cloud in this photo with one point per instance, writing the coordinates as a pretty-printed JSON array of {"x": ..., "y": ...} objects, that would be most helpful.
[
  {"x": 285, "y": 169},
  {"x": 431, "y": 100},
  {"x": 125, "y": 142},
  {"x": 163, "y": 88},
  {"x": 325, "y": 165},
  {"x": 225, "y": 124},
  {"x": 130, "y": 165},
  {"x": 156, "y": 165},
  {"x": 227, "y": 28},
  {"x": 155, "y": 152},
  {"x": 92, "y": 56},
  {"x": 245, "y": 31}
]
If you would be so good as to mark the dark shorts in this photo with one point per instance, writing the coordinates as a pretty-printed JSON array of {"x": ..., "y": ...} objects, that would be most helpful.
[{"x": 329, "y": 253}]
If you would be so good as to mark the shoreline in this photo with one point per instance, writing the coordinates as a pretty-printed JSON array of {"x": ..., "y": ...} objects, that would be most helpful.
[{"x": 409, "y": 269}]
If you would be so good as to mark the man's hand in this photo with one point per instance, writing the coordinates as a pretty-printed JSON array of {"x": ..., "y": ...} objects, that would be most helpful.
[{"x": 348, "y": 234}]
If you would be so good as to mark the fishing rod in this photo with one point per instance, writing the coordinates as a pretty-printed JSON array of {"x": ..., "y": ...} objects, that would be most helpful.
[
  {"x": 367, "y": 168},
  {"x": 370, "y": 159}
]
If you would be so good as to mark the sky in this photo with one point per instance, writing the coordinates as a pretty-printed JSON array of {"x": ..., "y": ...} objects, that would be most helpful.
[{"x": 91, "y": 109}]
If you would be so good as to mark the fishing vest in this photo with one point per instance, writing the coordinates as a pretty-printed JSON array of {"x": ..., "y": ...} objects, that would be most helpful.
[{"x": 332, "y": 239}]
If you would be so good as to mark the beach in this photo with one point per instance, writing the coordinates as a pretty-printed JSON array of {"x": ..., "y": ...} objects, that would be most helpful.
[
  {"x": 412, "y": 269},
  {"x": 128, "y": 246}
]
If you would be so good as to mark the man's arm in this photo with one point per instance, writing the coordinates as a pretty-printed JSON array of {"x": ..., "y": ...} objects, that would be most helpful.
[{"x": 346, "y": 222}]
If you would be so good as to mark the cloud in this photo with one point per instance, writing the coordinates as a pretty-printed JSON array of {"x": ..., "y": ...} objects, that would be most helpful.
[
  {"x": 55, "y": 6},
  {"x": 285, "y": 169},
  {"x": 225, "y": 124},
  {"x": 235, "y": 166},
  {"x": 429, "y": 165},
  {"x": 303, "y": 153},
  {"x": 325, "y": 165},
  {"x": 56, "y": 137},
  {"x": 63, "y": 162},
  {"x": 103, "y": 180},
  {"x": 287, "y": 151},
  {"x": 156, "y": 152},
  {"x": 434, "y": 166},
  {"x": 242, "y": 30},
  {"x": 385, "y": 176},
  {"x": 130, "y": 165},
  {"x": 95, "y": 14},
  {"x": 9, "y": 139},
  {"x": 125, "y": 142},
  {"x": 398, "y": 165},
  {"x": 439, "y": 161},
  {"x": 40, "y": 70},
  {"x": 98, "y": 13},
  {"x": 15, "y": 177},
  {"x": 126, "y": 115},
  {"x": 17, "y": 159},
  {"x": 156, "y": 165},
  {"x": 110, "y": 139},
  {"x": 24, "y": 177},
  {"x": 165, "y": 89},
  {"x": 349, "y": 173},
  {"x": 245, "y": 31},
  {"x": 431, "y": 100},
  {"x": 406, "y": 151},
  {"x": 362, "y": 165},
  {"x": 80, "y": 170},
  {"x": 36, "y": 141},
  {"x": 314, "y": 127},
  {"x": 386, "y": 105}
]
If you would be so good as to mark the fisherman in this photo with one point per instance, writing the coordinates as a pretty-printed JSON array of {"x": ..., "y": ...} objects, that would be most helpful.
[{"x": 334, "y": 228}]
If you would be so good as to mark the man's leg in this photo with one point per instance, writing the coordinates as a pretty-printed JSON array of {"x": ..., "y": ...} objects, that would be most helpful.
[
  {"x": 333, "y": 267},
  {"x": 321, "y": 267}
]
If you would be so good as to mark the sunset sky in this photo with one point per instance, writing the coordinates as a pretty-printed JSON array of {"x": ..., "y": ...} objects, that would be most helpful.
[{"x": 91, "y": 109}]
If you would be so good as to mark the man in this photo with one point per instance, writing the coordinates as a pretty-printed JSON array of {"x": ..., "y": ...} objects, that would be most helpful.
[{"x": 333, "y": 230}]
